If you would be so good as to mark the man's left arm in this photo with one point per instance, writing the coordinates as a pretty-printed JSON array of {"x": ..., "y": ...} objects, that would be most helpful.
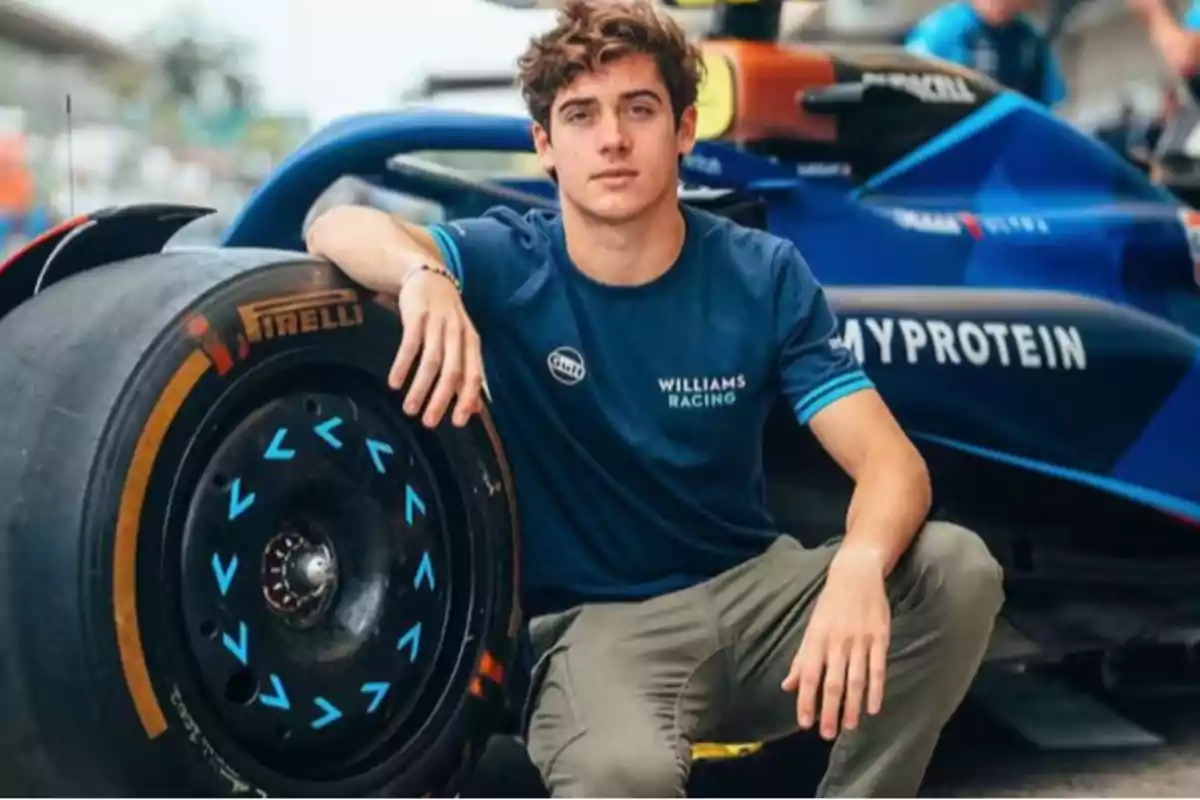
[
  {"x": 830, "y": 393},
  {"x": 843, "y": 657},
  {"x": 1054, "y": 83}
]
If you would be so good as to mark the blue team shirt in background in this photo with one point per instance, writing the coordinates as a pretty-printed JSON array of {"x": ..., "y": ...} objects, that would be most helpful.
[
  {"x": 632, "y": 416},
  {"x": 1015, "y": 55}
]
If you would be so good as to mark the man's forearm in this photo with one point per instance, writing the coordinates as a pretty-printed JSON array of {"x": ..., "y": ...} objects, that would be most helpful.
[
  {"x": 369, "y": 245},
  {"x": 890, "y": 503},
  {"x": 1179, "y": 46}
]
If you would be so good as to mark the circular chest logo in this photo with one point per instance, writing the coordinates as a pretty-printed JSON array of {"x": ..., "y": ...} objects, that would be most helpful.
[{"x": 566, "y": 365}]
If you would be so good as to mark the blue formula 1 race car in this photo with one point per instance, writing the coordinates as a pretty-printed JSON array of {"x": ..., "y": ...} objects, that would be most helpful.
[{"x": 234, "y": 566}]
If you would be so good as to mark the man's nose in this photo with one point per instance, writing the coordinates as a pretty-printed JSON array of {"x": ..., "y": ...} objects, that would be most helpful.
[{"x": 613, "y": 133}]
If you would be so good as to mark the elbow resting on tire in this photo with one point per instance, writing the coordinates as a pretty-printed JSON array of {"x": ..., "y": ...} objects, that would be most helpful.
[{"x": 325, "y": 226}]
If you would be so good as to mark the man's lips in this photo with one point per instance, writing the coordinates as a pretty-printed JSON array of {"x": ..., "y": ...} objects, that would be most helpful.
[{"x": 610, "y": 174}]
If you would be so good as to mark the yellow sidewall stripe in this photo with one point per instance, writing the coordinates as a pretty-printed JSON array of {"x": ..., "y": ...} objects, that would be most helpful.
[{"x": 133, "y": 499}]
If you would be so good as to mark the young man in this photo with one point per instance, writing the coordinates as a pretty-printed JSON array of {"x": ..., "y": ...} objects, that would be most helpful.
[
  {"x": 995, "y": 38},
  {"x": 633, "y": 348}
]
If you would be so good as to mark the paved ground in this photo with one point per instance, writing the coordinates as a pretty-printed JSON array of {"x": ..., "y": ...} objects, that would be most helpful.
[
  {"x": 980, "y": 760},
  {"x": 977, "y": 758}
]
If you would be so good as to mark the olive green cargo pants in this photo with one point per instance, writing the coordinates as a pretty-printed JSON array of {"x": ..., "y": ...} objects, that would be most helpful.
[{"x": 622, "y": 690}]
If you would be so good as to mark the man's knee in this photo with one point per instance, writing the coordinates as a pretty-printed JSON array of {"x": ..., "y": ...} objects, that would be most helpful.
[
  {"x": 618, "y": 766},
  {"x": 958, "y": 575},
  {"x": 591, "y": 734}
]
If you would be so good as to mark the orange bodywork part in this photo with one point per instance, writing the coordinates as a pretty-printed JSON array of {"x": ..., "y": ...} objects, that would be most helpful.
[
  {"x": 752, "y": 92},
  {"x": 17, "y": 189}
]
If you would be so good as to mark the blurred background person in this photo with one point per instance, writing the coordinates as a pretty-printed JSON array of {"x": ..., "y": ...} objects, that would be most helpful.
[{"x": 994, "y": 37}]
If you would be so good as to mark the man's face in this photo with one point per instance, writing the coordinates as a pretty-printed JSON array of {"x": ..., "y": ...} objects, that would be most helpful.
[{"x": 613, "y": 140}]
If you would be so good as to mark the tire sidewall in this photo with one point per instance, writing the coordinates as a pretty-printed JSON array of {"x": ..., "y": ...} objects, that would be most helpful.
[{"x": 354, "y": 329}]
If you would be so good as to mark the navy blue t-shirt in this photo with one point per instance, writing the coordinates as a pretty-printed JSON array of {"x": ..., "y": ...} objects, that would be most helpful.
[
  {"x": 632, "y": 417},
  {"x": 1015, "y": 55}
]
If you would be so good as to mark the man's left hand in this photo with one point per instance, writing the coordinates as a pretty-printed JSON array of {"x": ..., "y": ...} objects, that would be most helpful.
[{"x": 845, "y": 647}]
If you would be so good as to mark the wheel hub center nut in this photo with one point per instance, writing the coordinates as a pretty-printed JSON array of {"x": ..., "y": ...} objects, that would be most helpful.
[{"x": 299, "y": 577}]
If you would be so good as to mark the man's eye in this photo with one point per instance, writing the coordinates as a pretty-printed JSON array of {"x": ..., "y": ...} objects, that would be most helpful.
[{"x": 642, "y": 111}]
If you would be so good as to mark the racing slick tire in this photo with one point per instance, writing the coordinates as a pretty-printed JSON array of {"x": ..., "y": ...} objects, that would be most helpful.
[{"x": 232, "y": 565}]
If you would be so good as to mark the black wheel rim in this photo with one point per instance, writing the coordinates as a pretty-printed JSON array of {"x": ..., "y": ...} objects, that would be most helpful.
[{"x": 328, "y": 644}]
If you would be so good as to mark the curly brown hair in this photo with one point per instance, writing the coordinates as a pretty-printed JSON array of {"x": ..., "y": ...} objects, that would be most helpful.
[{"x": 590, "y": 33}]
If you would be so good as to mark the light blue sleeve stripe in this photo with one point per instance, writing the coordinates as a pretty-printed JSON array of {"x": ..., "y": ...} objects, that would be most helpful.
[
  {"x": 830, "y": 392},
  {"x": 829, "y": 385},
  {"x": 450, "y": 252}
]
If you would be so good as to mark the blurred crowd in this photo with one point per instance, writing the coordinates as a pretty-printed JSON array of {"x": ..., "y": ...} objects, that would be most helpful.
[{"x": 173, "y": 115}]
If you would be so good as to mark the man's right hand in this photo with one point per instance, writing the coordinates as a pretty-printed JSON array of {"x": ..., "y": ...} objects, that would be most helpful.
[
  {"x": 437, "y": 327},
  {"x": 378, "y": 251}
]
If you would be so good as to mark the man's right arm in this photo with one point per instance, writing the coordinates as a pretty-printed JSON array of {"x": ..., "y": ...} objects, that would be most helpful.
[
  {"x": 484, "y": 254},
  {"x": 374, "y": 248},
  {"x": 387, "y": 255}
]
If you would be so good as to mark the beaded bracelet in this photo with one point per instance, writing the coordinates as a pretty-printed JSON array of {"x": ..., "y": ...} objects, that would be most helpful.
[{"x": 436, "y": 271}]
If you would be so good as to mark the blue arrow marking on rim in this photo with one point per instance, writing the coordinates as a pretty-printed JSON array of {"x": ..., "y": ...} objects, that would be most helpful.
[
  {"x": 412, "y": 500},
  {"x": 241, "y": 647},
  {"x": 379, "y": 689},
  {"x": 412, "y": 640},
  {"x": 332, "y": 714},
  {"x": 325, "y": 431},
  {"x": 378, "y": 449},
  {"x": 276, "y": 451},
  {"x": 279, "y": 699},
  {"x": 237, "y": 503},
  {"x": 224, "y": 573},
  {"x": 424, "y": 571}
]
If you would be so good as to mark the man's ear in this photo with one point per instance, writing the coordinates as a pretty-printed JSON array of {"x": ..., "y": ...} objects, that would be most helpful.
[
  {"x": 541, "y": 143},
  {"x": 687, "y": 130}
]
